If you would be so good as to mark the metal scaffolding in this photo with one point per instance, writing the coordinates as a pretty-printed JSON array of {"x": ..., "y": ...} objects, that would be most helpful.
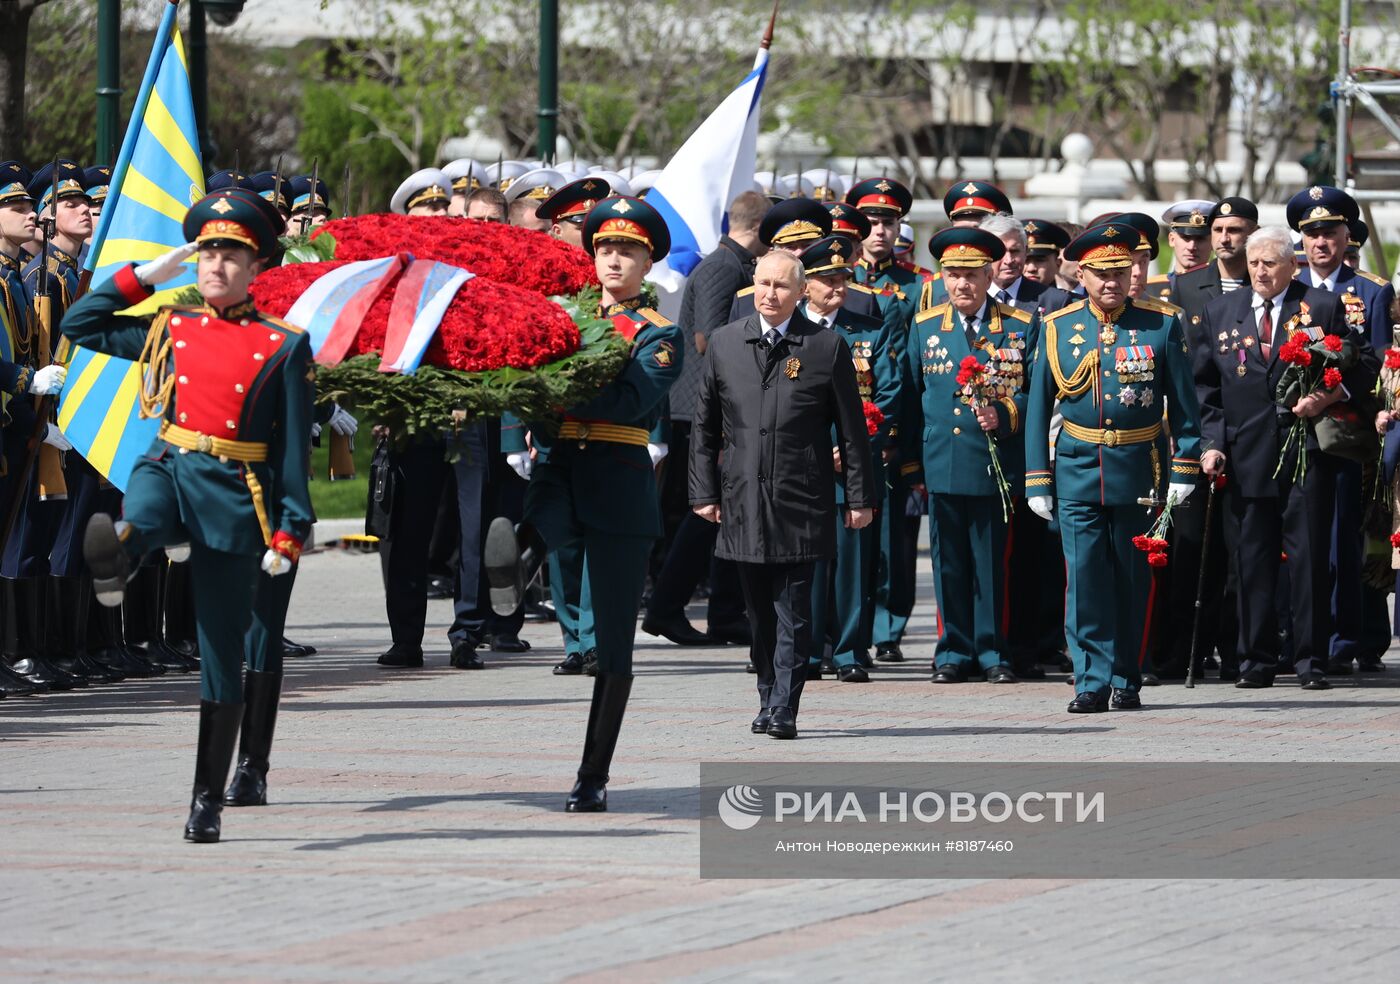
[{"x": 1347, "y": 89}]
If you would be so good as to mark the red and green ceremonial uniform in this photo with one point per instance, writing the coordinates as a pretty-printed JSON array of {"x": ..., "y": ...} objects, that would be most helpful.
[
  {"x": 968, "y": 534},
  {"x": 1122, "y": 380},
  {"x": 228, "y": 472}
]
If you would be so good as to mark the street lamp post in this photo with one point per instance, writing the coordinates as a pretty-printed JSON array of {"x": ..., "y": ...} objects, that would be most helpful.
[
  {"x": 109, "y": 92},
  {"x": 549, "y": 79}
]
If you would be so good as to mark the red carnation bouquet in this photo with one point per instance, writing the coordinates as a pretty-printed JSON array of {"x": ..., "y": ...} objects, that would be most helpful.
[
  {"x": 1154, "y": 541},
  {"x": 976, "y": 386},
  {"x": 874, "y": 417},
  {"x": 520, "y": 334},
  {"x": 1314, "y": 361}
]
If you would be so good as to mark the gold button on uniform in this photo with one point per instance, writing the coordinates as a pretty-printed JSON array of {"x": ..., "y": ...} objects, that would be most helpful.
[
  {"x": 258, "y": 356},
  {"x": 231, "y": 425},
  {"x": 957, "y": 430},
  {"x": 957, "y": 411},
  {"x": 184, "y": 380},
  {"x": 238, "y": 387},
  {"x": 184, "y": 417}
]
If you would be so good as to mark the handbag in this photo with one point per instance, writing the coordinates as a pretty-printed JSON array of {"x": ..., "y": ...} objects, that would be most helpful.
[{"x": 383, "y": 484}]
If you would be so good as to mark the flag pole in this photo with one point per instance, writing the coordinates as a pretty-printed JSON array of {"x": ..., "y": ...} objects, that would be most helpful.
[{"x": 133, "y": 129}]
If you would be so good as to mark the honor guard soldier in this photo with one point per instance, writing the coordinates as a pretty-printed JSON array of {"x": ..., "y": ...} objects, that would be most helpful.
[
  {"x": 594, "y": 486},
  {"x": 229, "y": 178},
  {"x": 967, "y": 525},
  {"x": 466, "y": 176},
  {"x": 884, "y": 202},
  {"x": 311, "y": 206},
  {"x": 843, "y": 603},
  {"x": 226, "y": 479},
  {"x": 96, "y": 181},
  {"x": 566, "y": 209},
  {"x": 72, "y": 218},
  {"x": 270, "y": 187},
  {"x": 1323, "y": 215},
  {"x": 424, "y": 192},
  {"x": 1114, "y": 365},
  {"x": 827, "y": 185},
  {"x": 502, "y": 174},
  {"x": 1044, "y": 240}
]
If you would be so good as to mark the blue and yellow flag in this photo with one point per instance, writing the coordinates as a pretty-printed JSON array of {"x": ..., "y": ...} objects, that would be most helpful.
[{"x": 158, "y": 176}]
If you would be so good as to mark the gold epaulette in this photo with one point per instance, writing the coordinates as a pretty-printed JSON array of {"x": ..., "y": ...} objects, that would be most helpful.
[
  {"x": 1066, "y": 309},
  {"x": 745, "y": 292},
  {"x": 655, "y": 317},
  {"x": 279, "y": 323},
  {"x": 184, "y": 308},
  {"x": 1153, "y": 304},
  {"x": 932, "y": 312},
  {"x": 850, "y": 285},
  {"x": 1160, "y": 278},
  {"x": 1374, "y": 278},
  {"x": 1010, "y": 311}
]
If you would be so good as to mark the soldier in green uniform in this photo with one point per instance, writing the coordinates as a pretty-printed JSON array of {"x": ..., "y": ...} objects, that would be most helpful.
[
  {"x": 968, "y": 530},
  {"x": 966, "y": 204},
  {"x": 843, "y": 604},
  {"x": 226, "y": 478},
  {"x": 1114, "y": 365},
  {"x": 594, "y": 485},
  {"x": 883, "y": 203}
]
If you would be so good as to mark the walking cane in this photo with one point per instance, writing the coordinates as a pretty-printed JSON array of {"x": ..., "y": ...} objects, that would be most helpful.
[{"x": 1200, "y": 587}]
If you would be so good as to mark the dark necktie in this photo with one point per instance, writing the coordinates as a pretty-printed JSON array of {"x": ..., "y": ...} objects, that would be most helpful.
[
  {"x": 970, "y": 330},
  {"x": 1266, "y": 332},
  {"x": 770, "y": 338}
]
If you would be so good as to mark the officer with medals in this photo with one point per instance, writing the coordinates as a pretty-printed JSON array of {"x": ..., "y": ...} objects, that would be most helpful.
[
  {"x": 225, "y": 482},
  {"x": 1323, "y": 215},
  {"x": 594, "y": 486},
  {"x": 883, "y": 203},
  {"x": 967, "y": 525},
  {"x": 1113, "y": 364},
  {"x": 843, "y": 605}
]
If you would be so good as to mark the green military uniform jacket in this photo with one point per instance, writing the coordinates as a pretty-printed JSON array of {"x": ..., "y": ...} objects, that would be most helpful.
[
  {"x": 234, "y": 375},
  {"x": 1121, "y": 383},
  {"x": 956, "y": 459}
]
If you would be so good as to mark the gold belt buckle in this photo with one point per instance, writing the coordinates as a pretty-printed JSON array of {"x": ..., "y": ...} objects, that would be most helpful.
[
  {"x": 204, "y": 443},
  {"x": 582, "y": 436},
  {"x": 1110, "y": 438}
]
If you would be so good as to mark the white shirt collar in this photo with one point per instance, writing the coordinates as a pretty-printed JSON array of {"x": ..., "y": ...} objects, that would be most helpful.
[
  {"x": 1257, "y": 302},
  {"x": 1329, "y": 282},
  {"x": 782, "y": 328},
  {"x": 1011, "y": 292},
  {"x": 828, "y": 320}
]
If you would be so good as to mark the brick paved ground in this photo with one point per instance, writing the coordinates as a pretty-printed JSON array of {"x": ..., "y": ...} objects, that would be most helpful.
[{"x": 416, "y": 831}]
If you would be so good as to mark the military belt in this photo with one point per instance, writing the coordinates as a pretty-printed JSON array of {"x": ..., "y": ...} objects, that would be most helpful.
[
  {"x": 583, "y": 432},
  {"x": 191, "y": 440},
  {"x": 1113, "y": 438}
]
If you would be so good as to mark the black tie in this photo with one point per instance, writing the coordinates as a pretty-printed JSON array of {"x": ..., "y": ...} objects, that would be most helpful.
[
  {"x": 770, "y": 338},
  {"x": 970, "y": 330}
]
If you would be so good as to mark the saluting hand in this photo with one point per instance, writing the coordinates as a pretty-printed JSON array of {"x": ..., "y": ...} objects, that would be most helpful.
[{"x": 165, "y": 266}]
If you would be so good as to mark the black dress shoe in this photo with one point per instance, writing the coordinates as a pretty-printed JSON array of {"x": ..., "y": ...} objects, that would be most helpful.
[
  {"x": 139, "y": 661},
  {"x": 1370, "y": 664},
  {"x": 947, "y": 674},
  {"x": 38, "y": 670},
  {"x": 814, "y": 671},
  {"x": 1125, "y": 700},
  {"x": 590, "y": 661},
  {"x": 733, "y": 634},
  {"x": 296, "y": 650},
  {"x": 852, "y": 674},
  {"x": 863, "y": 659},
  {"x": 464, "y": 657},
  {"x": 1315, "y": 682},
  {"x": 889, "y": 652},
  {"x": 1087, "y": 703},
  {"x": 1151, "y": 680},
  {"x": 14, "y": 685},
  {"x": 678, "y": 630},
  {"x": 440, "y": 587},
  {"x": 509, "y": 644},
  {"x": 760, "y": 723},
  {"x": 782, "y": 723},
  {"x": 572, "y": 665},
  {"x": 1250, "y": 682},
  {"x": 402, "y": 658},
  {"x": 1339, "y": 667},
  {"x": 750, "y": 668},
  {"x": 1001, "y": 673}
]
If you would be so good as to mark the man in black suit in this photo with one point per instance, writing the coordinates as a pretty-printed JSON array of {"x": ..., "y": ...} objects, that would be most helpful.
[
  {"x": 760, "y": 466},
  {"x": 1231, "y": 221},
  {"x": 1243, "y": 429},
  {"x": 1009, "y": 283}
]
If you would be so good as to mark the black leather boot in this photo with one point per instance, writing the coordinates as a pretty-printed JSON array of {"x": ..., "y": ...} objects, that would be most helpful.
[
  {"x": 80, "y": 630},
  {"x": 218, "y": 730},
  {"x": 260, "y": 695},
  {"x": 177, "y": 599},
  {"x": 590, "y": 792},
  {"x": 33, "y": 596},
  {"x": 21, "y": 626},
  {"x": 511, "y": 556}
]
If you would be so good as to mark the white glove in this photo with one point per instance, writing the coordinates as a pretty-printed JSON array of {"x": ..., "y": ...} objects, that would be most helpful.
[
  {"x": 178, "y": 552},
  {"x": 1178, "y": 491},
  {"x": 657, "y": 452},
  {"x": 54, "y": 437},
  {"x": 162, "y": 268},
  {"x": 315, "y": 430},
  {"x": 1042, "y": 505},
  {"x": 48, "y": 380},
  {"x": 273, "y": 563},
  {"x": 342, "y": 422},
  {"x": 521, "y": 463}
]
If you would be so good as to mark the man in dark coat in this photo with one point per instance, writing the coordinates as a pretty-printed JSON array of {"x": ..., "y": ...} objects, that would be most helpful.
[
  {"x": 760, "y": 466},
  {"x": 1274, "y": 508}
]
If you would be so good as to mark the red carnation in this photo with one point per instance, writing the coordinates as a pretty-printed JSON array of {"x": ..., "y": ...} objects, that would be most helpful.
[
  {"x": 873, "y": 418},
  {"x": 1331, "y": 378},
  {"x": 1332, "y": 343},
  {"x": 1140, "y": 541},
  {"x": 1392, "y": 358},
  {"x": 1157, "y": 545},
  {"x": 1157, "y": 558},
  {"x": 1395, "y": 539}
]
